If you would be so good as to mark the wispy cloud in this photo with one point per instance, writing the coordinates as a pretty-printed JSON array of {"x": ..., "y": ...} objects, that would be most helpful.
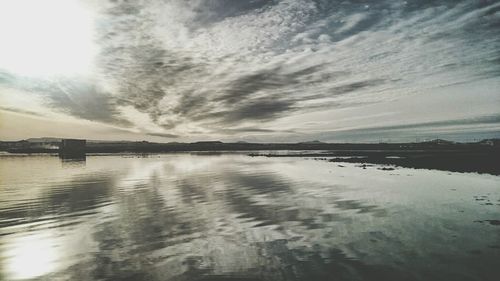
[
  {"x": 163, "y": 135},
  {"x": 224, "y": 66},
  {"x": 76, "y": 97},
  {"x": 22, "y": 111}
]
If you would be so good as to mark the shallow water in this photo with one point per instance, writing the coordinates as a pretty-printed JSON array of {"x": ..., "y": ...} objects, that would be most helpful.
[{"x": 234, "y": 217}]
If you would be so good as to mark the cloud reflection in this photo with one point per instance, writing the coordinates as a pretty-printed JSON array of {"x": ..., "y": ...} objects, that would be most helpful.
[{"x": 224, "y": 217}]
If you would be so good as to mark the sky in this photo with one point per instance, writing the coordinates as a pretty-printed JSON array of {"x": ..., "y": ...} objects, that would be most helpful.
[{"x": 255, "y": 70}]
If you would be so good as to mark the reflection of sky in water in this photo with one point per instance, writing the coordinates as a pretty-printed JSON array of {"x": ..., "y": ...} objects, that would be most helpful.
[
  {"x": 30, "y": 256},
  {"x": 188, "y": 217}
]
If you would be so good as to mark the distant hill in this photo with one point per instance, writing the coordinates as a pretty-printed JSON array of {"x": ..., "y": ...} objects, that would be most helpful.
[
  {"x": 311, "y": 142},
  {"x": 491, "y": 142},
  {"x": 433, "y": 143},
  {"x": 439, "y": 141},
  {"x": 208, "y": 142},
  {"x": 35, "y": 140},
  {"x": 50, "y": 139}
]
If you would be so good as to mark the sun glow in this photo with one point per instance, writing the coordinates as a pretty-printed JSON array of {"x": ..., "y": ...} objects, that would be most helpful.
[{"x": 45, "y": 38}]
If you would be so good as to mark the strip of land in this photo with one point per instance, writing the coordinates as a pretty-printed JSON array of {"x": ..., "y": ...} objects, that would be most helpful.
[
  {"x": 481, "y": 157},
  {"x": 465, "y": 160}
]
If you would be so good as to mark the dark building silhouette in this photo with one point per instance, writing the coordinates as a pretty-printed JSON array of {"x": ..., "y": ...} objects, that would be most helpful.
[{"x": 72, "y": 148}]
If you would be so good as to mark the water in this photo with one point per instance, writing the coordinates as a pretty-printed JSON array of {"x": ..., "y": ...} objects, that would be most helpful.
[{"x": 234, "y": 217}]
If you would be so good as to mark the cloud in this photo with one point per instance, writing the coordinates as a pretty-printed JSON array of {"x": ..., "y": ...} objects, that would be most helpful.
[
  {"x": 22, "y": 111},
  {"x": 487, "y": 125},
  {"x": 483, "y": 120},
  {"x": 163, "y": 135},
  {"x": 236, "y": 131},
  {"x": 235, "y": 63},
  {"x": 76, "y": 97},
  {"x": 260, "y": 109},
  {"x": 219, "y": 65}
]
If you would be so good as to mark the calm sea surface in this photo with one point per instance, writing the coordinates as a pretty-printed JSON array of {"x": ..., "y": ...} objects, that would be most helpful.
[{"x": 234, "y": 217}]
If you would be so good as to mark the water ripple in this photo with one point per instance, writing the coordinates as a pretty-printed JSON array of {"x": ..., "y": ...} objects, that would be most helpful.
[{"x": 228, "y": 217}]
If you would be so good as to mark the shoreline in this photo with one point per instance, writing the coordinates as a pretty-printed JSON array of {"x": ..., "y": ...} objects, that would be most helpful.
[{"x": 479, "y": 161}]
